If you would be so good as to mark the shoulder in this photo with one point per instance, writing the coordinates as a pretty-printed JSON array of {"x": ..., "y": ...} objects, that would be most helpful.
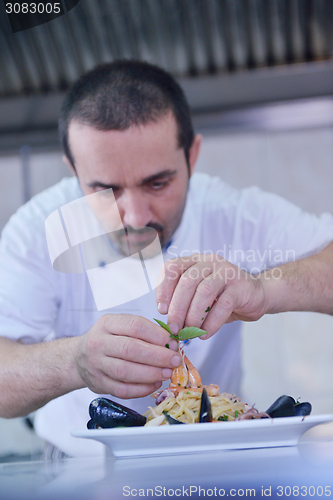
[
  {"x": 213, "y": 195},
  {"x": 252, "y": 216},
  {"x": 44, "y": 203},
  {"x": 47, "y": 201},
  {"x": 203, "y": 186},
  {"x": 28, "y": 223},
  {"x": 209, "y": 195}
]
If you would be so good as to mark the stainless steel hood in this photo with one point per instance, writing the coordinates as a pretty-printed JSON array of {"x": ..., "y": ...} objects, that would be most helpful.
[{"x": 226, "y": 54}]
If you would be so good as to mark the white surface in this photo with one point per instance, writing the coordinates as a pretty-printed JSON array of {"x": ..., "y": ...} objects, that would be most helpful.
[
  {"x": 17, "y": 438},
  {"x": 196, "y": 438}
]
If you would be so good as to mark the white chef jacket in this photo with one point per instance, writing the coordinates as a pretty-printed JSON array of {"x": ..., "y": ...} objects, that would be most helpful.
[{"x": 248, "y": 227}]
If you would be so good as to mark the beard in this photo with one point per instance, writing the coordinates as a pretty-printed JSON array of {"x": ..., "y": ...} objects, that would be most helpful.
[{"x": 129, "y": 241}]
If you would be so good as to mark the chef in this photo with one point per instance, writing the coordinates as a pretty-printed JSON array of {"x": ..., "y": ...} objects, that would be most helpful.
[{"x": 229, "y": 255}]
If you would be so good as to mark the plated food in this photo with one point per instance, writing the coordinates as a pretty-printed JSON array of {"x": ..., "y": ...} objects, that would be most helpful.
[{"x": 188, "y": 401}]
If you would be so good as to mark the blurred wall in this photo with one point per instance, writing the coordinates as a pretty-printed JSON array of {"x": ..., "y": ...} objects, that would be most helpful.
[{"x": 296, "y": 164}]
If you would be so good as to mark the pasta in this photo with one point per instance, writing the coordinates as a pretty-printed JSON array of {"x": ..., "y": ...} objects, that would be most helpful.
[{"x": 185, "y": 407}]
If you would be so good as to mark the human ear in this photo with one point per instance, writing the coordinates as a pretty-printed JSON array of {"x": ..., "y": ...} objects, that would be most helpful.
[
  {"x": 68, "y": 163},
  {"x": 194, "y": 152}
]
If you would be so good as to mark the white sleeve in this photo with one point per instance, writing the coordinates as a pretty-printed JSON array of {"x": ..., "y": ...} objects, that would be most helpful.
[
  {"x": 276, "y": 230},
  {"x": 28, "y": 296},
  {"x": 254, "y": 229}
]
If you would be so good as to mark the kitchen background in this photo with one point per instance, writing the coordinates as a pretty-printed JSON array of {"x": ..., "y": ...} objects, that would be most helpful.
[{"x": 259, "y": 79}]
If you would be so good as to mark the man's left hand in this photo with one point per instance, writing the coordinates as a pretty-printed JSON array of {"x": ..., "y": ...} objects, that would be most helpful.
[{"x": 207, "y": 291}]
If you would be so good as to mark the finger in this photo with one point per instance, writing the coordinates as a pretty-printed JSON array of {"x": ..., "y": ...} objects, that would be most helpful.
[
  {"x": 136, "y": 327},
  {"x": 133, "y": 373},
  {"x": 205, "y": 294},
  {"x": 173, "y": 270},
  {"x": 137, "y": 351},
  {"x": 125, "y": 391},
  {"x": 184, "y": 293},
  {"x": 221, "y": 311}
]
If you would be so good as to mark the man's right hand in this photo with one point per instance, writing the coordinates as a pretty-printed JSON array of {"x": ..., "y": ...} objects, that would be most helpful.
[
  {"x": 121, "y": 355},
  {"x": 125, "y": 356}
]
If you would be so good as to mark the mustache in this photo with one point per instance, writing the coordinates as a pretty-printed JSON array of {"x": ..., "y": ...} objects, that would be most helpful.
[
  {"x": 147, "y": 229},
  {"x": 122, "y": 237}
]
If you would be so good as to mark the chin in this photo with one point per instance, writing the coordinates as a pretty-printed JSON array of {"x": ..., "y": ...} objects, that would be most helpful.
[{"x": 151, "y": 247}]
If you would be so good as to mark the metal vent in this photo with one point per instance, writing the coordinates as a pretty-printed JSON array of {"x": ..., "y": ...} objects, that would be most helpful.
[{"x": 186, "y": 37}]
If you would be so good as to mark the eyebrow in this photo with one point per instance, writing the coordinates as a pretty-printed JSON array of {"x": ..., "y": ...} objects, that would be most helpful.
[{"x": 146, "y": 180}]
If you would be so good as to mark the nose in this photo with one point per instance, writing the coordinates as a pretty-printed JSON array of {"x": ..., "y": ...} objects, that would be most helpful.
[{"x": 134, "y": 209}]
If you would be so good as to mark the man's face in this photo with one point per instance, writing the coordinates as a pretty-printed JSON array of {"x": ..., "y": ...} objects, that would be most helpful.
[{"x": 147, "y": 172}]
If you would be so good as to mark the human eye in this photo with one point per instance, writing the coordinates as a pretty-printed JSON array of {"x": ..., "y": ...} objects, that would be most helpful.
[
  {"x": 105, "y": 191},
  {"x": 157, "y": 185}
]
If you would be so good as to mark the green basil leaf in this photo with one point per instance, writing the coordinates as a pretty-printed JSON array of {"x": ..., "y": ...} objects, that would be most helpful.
[
  {"x": 163, "y": 325},
  {"x": 190, "y": 332}
]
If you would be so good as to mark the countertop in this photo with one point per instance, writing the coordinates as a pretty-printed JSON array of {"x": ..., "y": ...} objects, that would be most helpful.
[{"x": 304, "y": 471}]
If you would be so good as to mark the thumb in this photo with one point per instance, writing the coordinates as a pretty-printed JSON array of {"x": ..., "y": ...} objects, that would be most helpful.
[{"x": 221, "y": 312}]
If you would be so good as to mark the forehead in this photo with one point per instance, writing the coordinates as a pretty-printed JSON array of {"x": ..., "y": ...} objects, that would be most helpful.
[{"x": 144, "y": 147}]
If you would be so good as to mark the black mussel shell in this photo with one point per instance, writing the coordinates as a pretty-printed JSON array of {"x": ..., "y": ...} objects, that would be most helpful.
[
  {"x": 206, "y": 414},
  {"x": 92, "y": 424},
  {"x": 302, "y": 409},
  {"x": 171, "y": 420},
  {"x": 107, "y": 414},
  {"x": 284, "y": 406}
]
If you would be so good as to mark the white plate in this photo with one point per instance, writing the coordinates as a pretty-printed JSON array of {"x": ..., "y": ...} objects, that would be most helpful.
[{"x": 197, "y": 438}]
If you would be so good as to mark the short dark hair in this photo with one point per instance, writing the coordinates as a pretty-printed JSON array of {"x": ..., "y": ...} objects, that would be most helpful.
[{"x": 116, "y": 95}]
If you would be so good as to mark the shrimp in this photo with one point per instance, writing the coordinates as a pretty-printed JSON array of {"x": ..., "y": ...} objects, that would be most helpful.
[
  {"x": 186, "y": 375},
  {"x": 194, "y": 379},
  {"x": 180, "y": 375},
  {"x": 187, "y": 378}
]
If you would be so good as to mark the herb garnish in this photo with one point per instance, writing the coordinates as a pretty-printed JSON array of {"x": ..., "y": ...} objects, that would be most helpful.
[
  {"x": 208, "y": 309},
  {"x": 189, "y": 332},
  {"x": 236, "y": 413},
  {"x": 223, "y": 418}
]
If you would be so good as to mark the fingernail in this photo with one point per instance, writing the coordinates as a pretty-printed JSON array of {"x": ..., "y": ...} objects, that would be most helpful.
[
  {"x": 174, "y": 328},
  {"x": 176, "y": 361},
  {"x": 166, "y": 372},
  {"x": 203, "y": 337},
  {"x": 173, "y": 345},
  {"x": 162, "y": 308}
]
